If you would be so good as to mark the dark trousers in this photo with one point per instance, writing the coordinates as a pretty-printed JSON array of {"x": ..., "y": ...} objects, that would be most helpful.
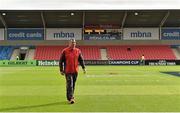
[
  {"x": 142, "y": 62},
  {"x": 70, "y": 85}
]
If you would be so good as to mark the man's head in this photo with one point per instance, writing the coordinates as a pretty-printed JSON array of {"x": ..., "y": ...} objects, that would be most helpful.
[{"x": 72, "y": 43}]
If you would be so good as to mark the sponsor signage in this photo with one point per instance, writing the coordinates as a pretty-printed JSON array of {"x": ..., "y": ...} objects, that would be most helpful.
[
  {"x": 91, "y": 62},
  {"x": 124, "y": 62},
  {"x": 47, "y": 63},
  {"x": 162, "y": 62},
  {"x": 96, "y": 62},
  {"x": 141, "y": 34},
  {"x": 18, "y": 63},
  {"x": 56, "y": 62},
  {"x": 1, "y": 34},
  {"x": 101, "y": 37},
  {"x": 102, "y": 26},
  {"x": 114, "y": 62},
  {"x": 25, "y": 34},
  {"x": 170, "y": 34},
  {"x": 63, "y": 33}
]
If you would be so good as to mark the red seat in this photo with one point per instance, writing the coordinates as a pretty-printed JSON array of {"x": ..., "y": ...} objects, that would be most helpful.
[
  {"x": 150, "y": 52},
  {"x": 53, "y": 52}
]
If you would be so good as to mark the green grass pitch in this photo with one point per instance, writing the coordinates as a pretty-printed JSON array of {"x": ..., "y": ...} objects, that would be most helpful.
[{"x": 102, "y": 89}]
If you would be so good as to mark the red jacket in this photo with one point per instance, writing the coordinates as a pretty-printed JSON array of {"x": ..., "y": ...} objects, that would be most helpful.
[{"x": 69, "y": 60}]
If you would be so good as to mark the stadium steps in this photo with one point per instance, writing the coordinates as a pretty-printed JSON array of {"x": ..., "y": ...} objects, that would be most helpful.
[
  {"x": 27, "y": 54},
  {"x": 176, "y": 52},
  {"x": 103, "y": 54},
  {"x": 30, "y": 54},
  {"x": 14, "y": 54}
]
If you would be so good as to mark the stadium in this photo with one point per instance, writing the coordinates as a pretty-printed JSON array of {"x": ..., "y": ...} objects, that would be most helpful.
[{"x": 112, "y": 43}]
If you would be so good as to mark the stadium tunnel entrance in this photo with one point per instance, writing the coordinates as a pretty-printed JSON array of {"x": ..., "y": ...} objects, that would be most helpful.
[{"x": 23, "y": 53}]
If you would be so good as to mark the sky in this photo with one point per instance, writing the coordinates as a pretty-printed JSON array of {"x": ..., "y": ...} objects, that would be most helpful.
[{"x": 88, "y": 4}]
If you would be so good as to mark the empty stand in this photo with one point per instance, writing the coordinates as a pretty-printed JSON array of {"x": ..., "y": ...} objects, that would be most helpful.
[
  {"x": 53, "y": 52},
  {"x": 91, "y": 52},
  {"x": 113, "y": 52},
  {"x": 6, "y": 52},
  {"x": 48, "y": 52},
  {"x": 135, "y": 52}
]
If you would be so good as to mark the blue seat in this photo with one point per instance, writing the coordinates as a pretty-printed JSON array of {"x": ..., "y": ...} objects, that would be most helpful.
[{"x": 6, "y": 52}]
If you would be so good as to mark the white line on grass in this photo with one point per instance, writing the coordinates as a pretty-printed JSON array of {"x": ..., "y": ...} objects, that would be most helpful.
[{"x": 91, "y": 112}]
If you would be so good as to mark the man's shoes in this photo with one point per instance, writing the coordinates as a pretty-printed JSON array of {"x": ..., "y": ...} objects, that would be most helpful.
[{"x": 72, "y": 101}]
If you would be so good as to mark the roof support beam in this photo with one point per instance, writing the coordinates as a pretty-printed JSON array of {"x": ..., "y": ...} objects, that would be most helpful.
[
  {"x": 83, "y": 23},
  {"x": 83, "y": 16},
  {"x": 164, "y": 19},
  {"x": 124, "y": 20},
  {"x": 3, "y": 21},
  {"x": 43, "y": 20},
  {"x": 44, "y": 24}
]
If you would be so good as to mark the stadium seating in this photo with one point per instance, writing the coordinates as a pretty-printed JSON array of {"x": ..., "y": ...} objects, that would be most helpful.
[
  {"x": 6, "y": 52},
  {"x": 91, "y": 52},
  {"x": 53, "y": 52},
  {"x": 113, "y": 52},
  {"x": 135, "y": 52},
  {"x": 48, "y": 52}
]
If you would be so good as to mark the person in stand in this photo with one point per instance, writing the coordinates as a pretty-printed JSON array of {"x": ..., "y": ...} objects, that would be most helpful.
[
  {"x": 142, "y": 60},
  {"x": 68, "y": 64},
  {"x": 17, "y": 57}
]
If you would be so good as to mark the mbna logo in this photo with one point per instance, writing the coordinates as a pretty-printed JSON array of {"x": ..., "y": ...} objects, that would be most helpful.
[
  {"x": 141, "y": 34},
  {"x": 64, "y": 35}
]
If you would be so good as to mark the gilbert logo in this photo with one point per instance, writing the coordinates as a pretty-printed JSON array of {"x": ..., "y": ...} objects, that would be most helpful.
[
  {"x": 64, "y": 35},
  {"x": 141, "y": 34}
]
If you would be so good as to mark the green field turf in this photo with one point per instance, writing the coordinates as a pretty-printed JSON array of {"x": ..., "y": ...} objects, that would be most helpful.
[{"x": 102, "y": 89}]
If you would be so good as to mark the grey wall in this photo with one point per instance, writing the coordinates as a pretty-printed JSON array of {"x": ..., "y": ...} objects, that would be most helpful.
[{"x": 94, "y": 42}]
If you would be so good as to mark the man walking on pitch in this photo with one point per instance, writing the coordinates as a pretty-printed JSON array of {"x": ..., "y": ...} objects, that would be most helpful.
[
  {"x": 68, "y": 64},
  {"x": 142, "y": 62}
]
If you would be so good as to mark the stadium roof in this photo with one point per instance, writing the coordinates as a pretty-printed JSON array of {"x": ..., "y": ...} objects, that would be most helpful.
[
  {"x": 78, "y": 18},
  {"x": 76, "y": 13},
  {"x": 88, "y": 4}
]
